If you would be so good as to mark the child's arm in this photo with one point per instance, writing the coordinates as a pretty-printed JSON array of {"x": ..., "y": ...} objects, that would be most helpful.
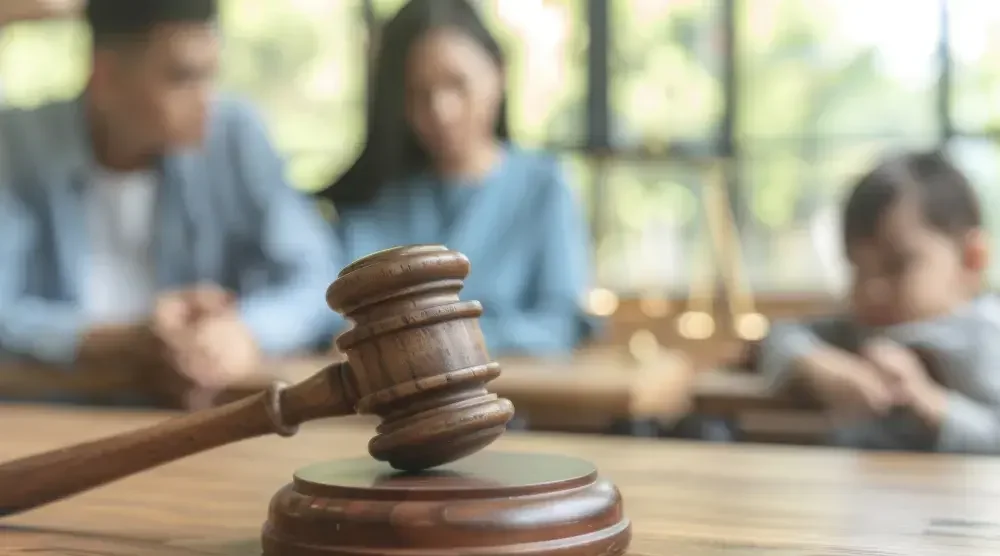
[
  {"x": 953, "y": 385},
  {"x": 822, "y": 353},
  {"x": 967, "y": 415},
  {"x": 792, "y": 345},
  {"x": 964, "y": 425},
  {"x": 965, "y": 419}
]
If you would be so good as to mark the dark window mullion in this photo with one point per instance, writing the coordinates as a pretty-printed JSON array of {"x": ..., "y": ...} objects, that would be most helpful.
[
  {"x": 728, "y": 147},
  {"x": 598, "y": 81},
  {"x": 946, "y": 77},
  {"x": 598, "y": 112},
  {"x": 727, "y": 144}
]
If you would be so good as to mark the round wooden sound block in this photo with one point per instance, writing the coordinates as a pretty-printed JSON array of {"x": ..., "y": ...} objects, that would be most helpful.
[{"x": 490, "y": 503}]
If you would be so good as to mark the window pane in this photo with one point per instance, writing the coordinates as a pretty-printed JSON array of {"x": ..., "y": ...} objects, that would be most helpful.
[
  {"x": 385, "y": 9},
  {"x": 980, "y": 160},
  {"x": 790, "y": 233},
  {"x": 665, "y": 68},
  {"x": 580, "y": 173},
  {"x": 42, "y": 62},
  {"x": 545, "y": 43},
  {"x": 975, "y": 42},
  {"x": 655, "y": 238},
  {"x": 302, "y": 64},
  {"x": 837, "y": 66}
]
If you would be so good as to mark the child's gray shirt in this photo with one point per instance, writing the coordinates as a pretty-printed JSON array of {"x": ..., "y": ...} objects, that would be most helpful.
[{"x": 964, "y": 348}]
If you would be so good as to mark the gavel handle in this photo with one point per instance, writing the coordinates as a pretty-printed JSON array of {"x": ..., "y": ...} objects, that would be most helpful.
[{"x": 37, "y": 480}]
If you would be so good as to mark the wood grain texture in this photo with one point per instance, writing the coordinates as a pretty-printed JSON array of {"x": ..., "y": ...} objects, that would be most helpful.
[
  {"x": 723, "y": 391},
  {"x": 526, "y": 504},
  {"x": 586, "y": 392},
  {"x": 684, "y": 499},
  {"x": 31, "y": 382},
  {"x": 45, "y": 477},
  {"x": 415, "y": 357},
  {"x": 762, "y": 414}
]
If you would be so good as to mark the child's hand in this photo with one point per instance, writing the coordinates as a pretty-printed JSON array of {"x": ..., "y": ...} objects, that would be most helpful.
[
  {"x": 849, "y": 386},
  {"x": 908, "y": 379}
]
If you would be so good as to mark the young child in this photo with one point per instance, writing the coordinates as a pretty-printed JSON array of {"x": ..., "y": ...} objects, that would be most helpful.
[{"x": 915, "y": 364}]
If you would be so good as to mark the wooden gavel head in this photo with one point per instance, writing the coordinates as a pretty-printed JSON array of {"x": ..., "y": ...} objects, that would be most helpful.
[{"x": 417, "y": 356}]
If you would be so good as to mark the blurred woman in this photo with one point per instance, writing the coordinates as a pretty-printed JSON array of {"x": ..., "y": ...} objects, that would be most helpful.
[{"x": 438, "y": 167}]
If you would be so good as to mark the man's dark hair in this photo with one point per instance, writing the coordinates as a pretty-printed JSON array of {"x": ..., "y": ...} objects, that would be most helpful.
[
  {"x": 947, "y": 199},
  {"x": 122, "y": 21}
]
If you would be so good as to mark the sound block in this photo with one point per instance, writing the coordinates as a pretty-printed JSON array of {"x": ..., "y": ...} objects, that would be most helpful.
[{"x": 490, "y": 503}]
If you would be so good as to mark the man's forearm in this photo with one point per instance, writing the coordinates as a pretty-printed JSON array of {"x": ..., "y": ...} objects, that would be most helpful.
[{"x": 288, "y": 320}]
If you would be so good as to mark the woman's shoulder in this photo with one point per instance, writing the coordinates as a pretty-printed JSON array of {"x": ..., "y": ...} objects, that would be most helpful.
[
  {"x": 544, "y": 186},
  {"x": 536, "y": 160},
  {"x": 539, "y": 169}
]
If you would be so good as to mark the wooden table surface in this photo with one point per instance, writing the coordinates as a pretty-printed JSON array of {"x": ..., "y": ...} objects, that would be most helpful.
[
  {"x": 685, "y": 499},
  {"x": 588, "y": 391},
  {"x": 585, "y": 392},
  {"x": 749, "y": 401}
]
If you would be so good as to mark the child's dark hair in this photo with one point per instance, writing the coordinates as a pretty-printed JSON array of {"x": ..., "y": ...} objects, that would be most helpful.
[
  {"x": 948, "y": 201},
  {"x": 114, "y": 22}
]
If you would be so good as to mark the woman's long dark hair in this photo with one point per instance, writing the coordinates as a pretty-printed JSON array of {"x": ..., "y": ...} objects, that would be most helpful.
[{"x": 391, "y": 150}]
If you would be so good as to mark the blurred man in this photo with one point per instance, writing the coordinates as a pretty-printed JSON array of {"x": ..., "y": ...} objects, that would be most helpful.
[{"x": 148, "y": 217}]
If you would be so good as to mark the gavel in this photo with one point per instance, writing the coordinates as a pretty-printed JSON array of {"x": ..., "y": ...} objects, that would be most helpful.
[{"x": 415, "y": 357}]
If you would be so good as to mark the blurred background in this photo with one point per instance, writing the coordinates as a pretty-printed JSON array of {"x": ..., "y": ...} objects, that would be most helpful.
[{"x": 711, "y": 140}]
